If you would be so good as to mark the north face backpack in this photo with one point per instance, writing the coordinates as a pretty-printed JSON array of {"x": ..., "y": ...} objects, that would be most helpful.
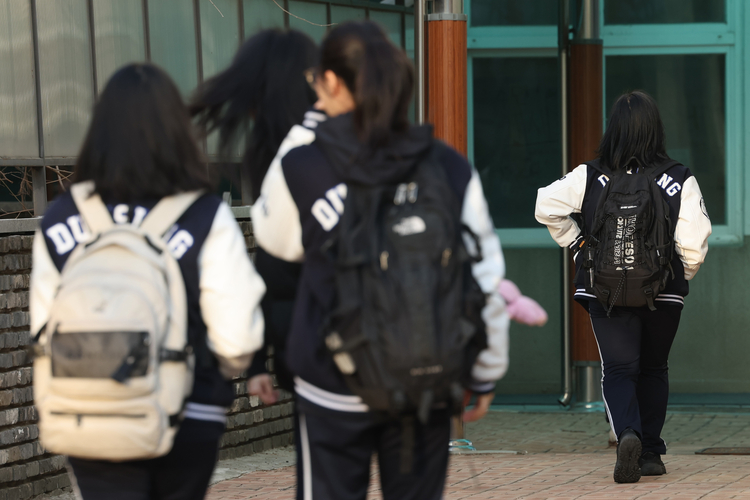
[
  {"x": 407, "y": 324},
  {"x": 114, "y": 366},
  {"x": 628, "y": 252}
]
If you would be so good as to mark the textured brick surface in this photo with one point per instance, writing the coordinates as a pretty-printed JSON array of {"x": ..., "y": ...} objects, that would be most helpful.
[{"x": 26, "y": 470}]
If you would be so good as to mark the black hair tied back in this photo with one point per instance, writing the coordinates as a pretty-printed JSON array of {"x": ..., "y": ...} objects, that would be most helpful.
[
  {"x": 635, "y": 134},
  {"x": 377, "y": 73}
]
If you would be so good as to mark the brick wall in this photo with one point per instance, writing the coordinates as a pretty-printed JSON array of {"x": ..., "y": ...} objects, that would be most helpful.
[{"x": 26, "y": 470}]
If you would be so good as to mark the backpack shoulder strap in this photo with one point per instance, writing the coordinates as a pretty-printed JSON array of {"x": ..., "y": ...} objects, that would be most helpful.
[
  {"x": 163, "y": 216},
  {"x": 661, "y": 169},
  {"x": 597, "y": 165},
  {"x": 92, "y": 208}
]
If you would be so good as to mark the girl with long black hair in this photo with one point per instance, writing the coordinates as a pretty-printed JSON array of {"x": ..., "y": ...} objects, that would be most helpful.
[
  {"x": 138, "y": 150},
  {"x": 259, "y": 98},
  {"x": 634, "y": 342},
  {"x": 364, "y": 84}
]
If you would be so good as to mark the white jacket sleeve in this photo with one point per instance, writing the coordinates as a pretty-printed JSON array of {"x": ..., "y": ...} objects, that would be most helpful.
[
  {"x": 492, "y": 363},
  {"x": 45, "y": 279},
  {"x": 556, "y": 202},
  {"x": 231, "y": 291},
  {"x": 693, "y": 228},
  {"x": 276, "y": 223}
]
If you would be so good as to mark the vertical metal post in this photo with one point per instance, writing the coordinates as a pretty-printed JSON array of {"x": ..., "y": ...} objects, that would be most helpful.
[
  {"x": 241, "y": 19},
  {"x": 146, "y": 31},
  {"x": 39, "y": 190},
  {"x": 562, "y": 45},
  {"x": 419, "y": 58},
  {"x": 92, "y": 47},
  {"x": 38, "y": 177}
]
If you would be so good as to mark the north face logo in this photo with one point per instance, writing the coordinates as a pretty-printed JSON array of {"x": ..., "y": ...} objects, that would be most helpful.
[{"x": 410, "y": 225}]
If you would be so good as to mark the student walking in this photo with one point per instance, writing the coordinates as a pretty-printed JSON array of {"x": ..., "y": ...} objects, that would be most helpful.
[
  {"x": 261, "y": 99},
  {"x": 638, "y": 228},
  {"x": 140, "y": 209},
  {"x": 364, "y": 85}
]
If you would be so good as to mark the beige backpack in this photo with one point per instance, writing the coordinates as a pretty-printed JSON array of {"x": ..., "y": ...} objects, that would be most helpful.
[{"x": 115, "y": 366}]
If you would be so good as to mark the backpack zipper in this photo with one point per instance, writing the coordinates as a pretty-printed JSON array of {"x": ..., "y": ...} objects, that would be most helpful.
[{"x": 79, "y": 416}]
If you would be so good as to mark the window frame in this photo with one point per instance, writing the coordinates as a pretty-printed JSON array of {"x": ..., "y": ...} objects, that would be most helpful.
[{"x": 645, "y": 39}]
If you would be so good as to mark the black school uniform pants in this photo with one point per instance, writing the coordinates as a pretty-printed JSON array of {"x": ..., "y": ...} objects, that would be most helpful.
[
  {"x": 634, "y": 344},
  {"x": 182, "y": 474},
  {"x": 337, "y": 449}
]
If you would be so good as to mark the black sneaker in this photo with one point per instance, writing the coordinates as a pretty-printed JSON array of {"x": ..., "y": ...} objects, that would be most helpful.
[
  {"x": 651, "y": 464},
  {"x": 627, "y": 468}
]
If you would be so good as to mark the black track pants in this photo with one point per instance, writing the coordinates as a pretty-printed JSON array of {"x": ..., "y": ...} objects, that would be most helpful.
[
  {"x": 337, "y": 449},
  {"x": 182, "y": 474},
  {"x": 634, "y": 344}
]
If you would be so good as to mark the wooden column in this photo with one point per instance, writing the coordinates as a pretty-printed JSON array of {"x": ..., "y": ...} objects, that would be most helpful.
[
  {"x": 447, "y": 81},
  {"x": 585, "y": 133}
]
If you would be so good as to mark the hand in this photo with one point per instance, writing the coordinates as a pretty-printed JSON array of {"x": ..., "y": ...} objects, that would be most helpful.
[
  {"x": 262, "y": 386},
  {"x": 481, "y": 406}
]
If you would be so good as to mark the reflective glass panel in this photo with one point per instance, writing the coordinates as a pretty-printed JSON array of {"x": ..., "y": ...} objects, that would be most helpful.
[
  {"x": 391, "y": 23},
  {"x": 664, "y": 11},
  {"x": 689, "y": 90},
  {"x": 309, "y": 18},
  {"x": 18, "y": 124},
  {"x": 343, "y": 14},
  {"x": 514, "y": 12},
  {"x": 172, "y": 35},
  {"x": 516, "y": 133},
  {"x": 65, "y": 74},
  {"x": 118, "y": 28},
  {"x": 260, "y": 15}
]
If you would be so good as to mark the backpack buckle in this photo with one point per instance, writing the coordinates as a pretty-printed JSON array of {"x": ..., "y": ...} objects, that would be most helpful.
[
  {"x": 401, "y": 192},
  {"x": 413, "y": 191}
]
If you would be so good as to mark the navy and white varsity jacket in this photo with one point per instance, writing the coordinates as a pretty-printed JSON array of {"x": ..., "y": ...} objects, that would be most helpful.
[
  {"x": 301, "y": 201},
  {"x": 579, "y": 193},
  {"x": 223, "y": 289}
]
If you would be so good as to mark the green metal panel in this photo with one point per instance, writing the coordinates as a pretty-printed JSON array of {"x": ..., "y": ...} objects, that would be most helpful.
[
  {"x": 710, "y": 351},
  {"x": 220, "y": 35},
  {"x": 535, "y": 353},
  {"x": 118, "y": 31},
  {"x": 173, "y": 43},
  {"x": 260, "y": 15},
  {"x": 310, "y": 18},
  {"x": 343, "y": 14},
  {"x": 391, "y": 23},
  {"x": 65, "y": 71},
  {"x": 220, "y": 38},
  {"x": 18, "y": 114}
]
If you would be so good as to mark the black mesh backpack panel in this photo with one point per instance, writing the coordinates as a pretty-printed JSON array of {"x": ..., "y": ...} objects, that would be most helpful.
[{"x": 628, "y": 251}]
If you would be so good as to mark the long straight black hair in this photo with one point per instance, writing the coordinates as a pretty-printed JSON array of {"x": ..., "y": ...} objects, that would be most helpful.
[
  {"x": 377, "y": 73},
  {"x": 634, "y": 135},
  {"x": 261, "y": 95},
  {"x": 139, "y": 144}
]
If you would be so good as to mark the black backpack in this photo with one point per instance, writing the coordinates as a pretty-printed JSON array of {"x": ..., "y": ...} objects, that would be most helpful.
[
  {"x": 407, "y": 326},
  {"x": 627, "y": 254}
]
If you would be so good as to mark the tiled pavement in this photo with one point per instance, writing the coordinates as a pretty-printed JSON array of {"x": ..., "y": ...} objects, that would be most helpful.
[{"x": 560, "y": 456}]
